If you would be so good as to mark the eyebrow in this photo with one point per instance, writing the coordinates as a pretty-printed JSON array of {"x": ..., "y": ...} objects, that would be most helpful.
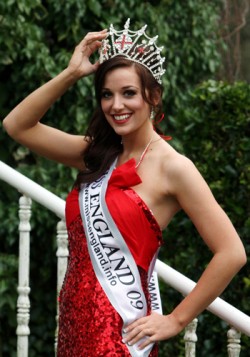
[{"x": 125, "y": 87}]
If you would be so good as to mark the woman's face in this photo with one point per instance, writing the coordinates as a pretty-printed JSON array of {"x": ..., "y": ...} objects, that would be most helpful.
[{"x": 122, "y": 102}]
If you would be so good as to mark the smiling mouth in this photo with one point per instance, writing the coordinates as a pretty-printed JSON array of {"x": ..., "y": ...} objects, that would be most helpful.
[{"x": 121, "y": 118}]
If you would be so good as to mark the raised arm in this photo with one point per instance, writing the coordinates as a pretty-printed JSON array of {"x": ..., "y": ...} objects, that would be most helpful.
[{"x": 23, "y": 122}]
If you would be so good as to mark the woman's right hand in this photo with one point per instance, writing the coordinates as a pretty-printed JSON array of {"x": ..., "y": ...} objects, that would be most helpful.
[{"x": 80, "y": 64}]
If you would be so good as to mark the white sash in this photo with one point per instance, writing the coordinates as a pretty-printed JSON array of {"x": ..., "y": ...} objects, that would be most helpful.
[{"x": 112, "y": 261}]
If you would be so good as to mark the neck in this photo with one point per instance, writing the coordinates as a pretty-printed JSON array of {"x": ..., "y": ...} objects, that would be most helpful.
[
  {"x": 137, "y": 146},
  {"x": 135, "y": 142}
]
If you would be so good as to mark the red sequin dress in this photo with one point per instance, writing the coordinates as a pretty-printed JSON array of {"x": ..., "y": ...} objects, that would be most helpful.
[{"x": 89, "y": 326}]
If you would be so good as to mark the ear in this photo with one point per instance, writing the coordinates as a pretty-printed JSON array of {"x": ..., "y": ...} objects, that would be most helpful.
[{"x": 156, "y": 97}]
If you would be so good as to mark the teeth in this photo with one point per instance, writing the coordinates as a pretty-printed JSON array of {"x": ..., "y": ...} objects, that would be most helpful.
[{"x": 121, "y": 117}]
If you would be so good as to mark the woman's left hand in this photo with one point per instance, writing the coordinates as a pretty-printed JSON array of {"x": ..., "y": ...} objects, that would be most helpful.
[{"x": 155, "y": 327}]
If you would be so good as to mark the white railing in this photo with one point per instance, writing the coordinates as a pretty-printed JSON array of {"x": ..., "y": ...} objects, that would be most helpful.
[{"x": 239, "y": 322}]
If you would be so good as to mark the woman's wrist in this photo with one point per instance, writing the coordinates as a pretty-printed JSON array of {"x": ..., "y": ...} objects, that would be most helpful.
[
  {"x": 71, "y": 76},
  {"x": 178, "y": 323}
]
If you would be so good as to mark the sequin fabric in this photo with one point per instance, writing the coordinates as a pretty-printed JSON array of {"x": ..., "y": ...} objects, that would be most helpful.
[{"x": 89, "y": 326}]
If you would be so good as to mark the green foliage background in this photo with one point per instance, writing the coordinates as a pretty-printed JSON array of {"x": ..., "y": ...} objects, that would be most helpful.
[{"x": 209, "y": 123}]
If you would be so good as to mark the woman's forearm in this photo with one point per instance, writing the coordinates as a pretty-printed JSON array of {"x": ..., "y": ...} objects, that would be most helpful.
[{"x": 213, "y": 281}]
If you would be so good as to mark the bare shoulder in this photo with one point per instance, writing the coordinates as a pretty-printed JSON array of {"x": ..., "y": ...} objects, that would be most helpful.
[
  {"x": 178, "y": 170},
  {"x": 173, "y": 163}
]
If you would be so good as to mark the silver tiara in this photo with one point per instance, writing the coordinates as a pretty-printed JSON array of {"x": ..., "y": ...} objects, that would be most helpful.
[{"x": 136, "y": 46}]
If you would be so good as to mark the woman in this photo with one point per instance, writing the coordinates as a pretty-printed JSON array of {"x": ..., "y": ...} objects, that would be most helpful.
[{"x": 128, "y": 172}]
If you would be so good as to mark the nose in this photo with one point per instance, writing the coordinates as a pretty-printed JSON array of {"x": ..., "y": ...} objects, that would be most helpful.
[{"x": 117, "y": 104}]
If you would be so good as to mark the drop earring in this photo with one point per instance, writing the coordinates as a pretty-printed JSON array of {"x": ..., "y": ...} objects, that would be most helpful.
[{"x": 152, "y": 114}]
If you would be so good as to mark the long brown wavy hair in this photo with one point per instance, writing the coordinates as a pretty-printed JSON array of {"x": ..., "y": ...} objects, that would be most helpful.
[{"x": 104, "y": 143}]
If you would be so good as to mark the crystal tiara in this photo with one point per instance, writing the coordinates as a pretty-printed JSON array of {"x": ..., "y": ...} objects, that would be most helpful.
[{"x": 134, "y": 45}]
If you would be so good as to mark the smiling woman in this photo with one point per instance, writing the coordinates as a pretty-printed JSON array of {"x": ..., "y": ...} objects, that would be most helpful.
[
  {"x": 138, "y": 85},
  {"x": 130, "y": 184}
]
